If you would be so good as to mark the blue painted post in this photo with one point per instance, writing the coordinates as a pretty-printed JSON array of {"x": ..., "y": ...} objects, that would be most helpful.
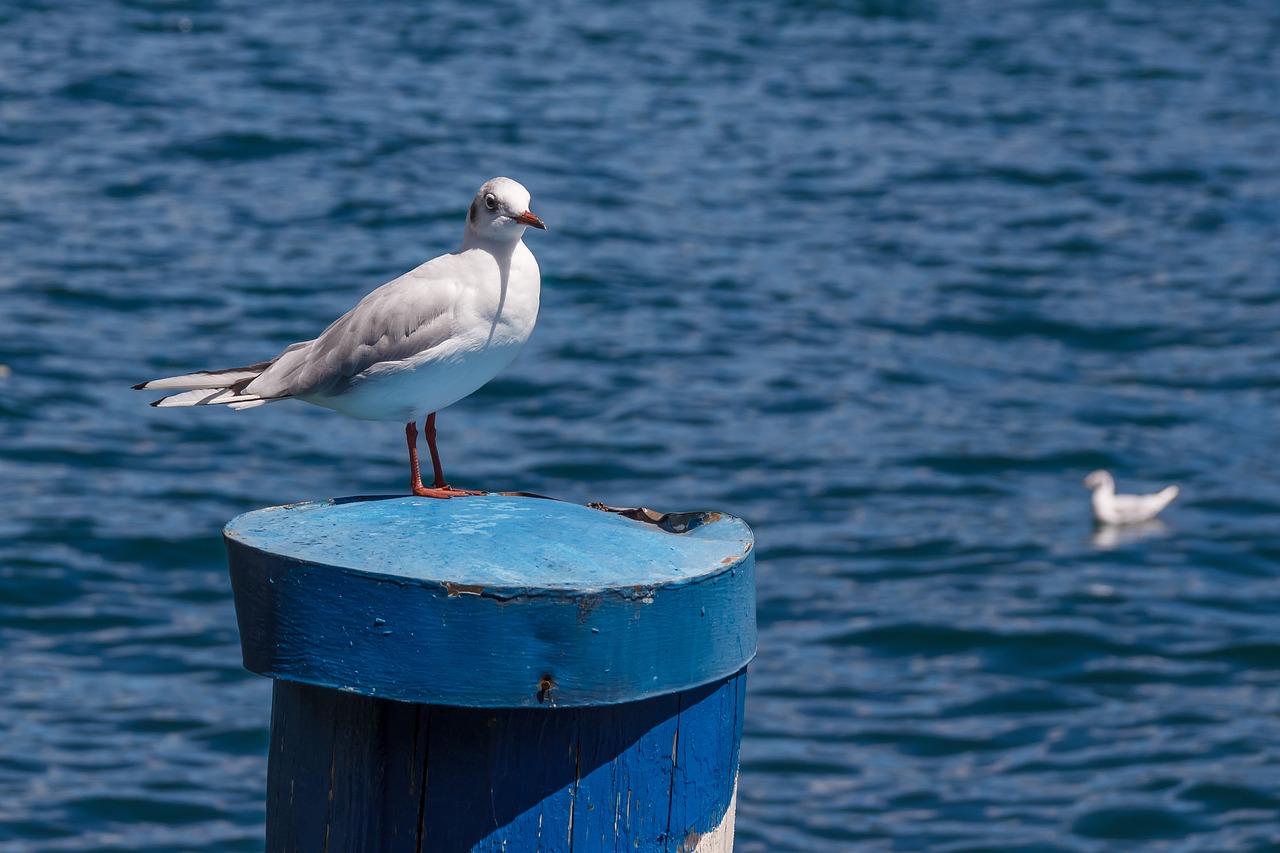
[{"x": 496, "y": 674}]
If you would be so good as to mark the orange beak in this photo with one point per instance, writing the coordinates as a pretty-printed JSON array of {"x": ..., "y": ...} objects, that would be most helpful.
[{"x": 527, "y": 218}]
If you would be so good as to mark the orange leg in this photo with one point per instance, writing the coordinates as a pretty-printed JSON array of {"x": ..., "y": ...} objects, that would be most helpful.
[{"x": 438, "y": 488}]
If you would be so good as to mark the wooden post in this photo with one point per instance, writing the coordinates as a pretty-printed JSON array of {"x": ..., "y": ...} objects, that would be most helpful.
[{"x": 496, "y": 674}]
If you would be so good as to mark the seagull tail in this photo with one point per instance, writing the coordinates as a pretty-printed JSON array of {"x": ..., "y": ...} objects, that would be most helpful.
[{"x": 211, "y": 388}]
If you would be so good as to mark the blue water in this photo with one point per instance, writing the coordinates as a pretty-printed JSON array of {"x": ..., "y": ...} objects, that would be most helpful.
[{"x": 886, "y": 278}]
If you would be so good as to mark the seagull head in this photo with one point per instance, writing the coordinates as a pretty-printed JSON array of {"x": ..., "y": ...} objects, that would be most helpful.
[
  {"x": 500, "y": 211},
  {"x": 1098, "y": 479}
]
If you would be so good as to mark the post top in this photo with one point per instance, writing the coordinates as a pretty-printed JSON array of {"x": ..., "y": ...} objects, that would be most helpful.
[
  {"x": 493, "y": 542},
  {"x": 492, "y": 601}
]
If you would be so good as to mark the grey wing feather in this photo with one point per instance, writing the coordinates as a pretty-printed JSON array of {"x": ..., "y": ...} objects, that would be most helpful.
[{"x": 397, "y": 321}]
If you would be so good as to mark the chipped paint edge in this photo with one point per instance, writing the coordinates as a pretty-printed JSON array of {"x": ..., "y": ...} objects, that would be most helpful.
[{"x": 720, "y": 838}]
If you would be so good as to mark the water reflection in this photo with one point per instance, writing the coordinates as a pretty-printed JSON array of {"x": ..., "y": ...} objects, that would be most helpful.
[{"x": 1108, "y": 536}]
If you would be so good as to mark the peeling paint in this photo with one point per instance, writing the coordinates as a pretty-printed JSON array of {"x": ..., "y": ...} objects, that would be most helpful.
[
  {"x": 456, "y": 589},
  {"x": 672, "y": 522}
]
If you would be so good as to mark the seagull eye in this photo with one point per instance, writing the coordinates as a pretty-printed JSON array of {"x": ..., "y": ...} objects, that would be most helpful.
[{"x": 489, "y": 201}]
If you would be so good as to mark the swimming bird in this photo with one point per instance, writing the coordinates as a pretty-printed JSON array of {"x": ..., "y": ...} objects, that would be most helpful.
[
  {"x": 411, "y": 347},
  {"x": 1110, "y": 508}
]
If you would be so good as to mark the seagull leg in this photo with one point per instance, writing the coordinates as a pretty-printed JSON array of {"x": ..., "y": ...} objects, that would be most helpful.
[
  {"x": 438, "y": 488},
  {"x": 415, "y": 475},
  {"x": 429, "y": 428}
]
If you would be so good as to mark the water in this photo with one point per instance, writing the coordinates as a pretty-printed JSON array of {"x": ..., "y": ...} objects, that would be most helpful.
[{"x": 886, "y": 279}]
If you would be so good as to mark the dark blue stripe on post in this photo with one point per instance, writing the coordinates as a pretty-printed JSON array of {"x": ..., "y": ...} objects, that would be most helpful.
[{"x": 396, "y": 776}]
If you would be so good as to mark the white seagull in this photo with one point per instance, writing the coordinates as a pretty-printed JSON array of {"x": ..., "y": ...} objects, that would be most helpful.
[
  {"x": 1110, "y": 508},
  {"x": 411, "y": 347}
]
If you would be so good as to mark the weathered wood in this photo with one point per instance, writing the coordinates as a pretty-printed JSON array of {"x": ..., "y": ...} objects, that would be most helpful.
[
  {"x": 358, "y": 773},
  {"x": 576, "y": 679}
]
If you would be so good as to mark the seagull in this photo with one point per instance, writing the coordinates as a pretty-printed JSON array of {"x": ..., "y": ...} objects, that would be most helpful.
[
  {"x": 1110, "y": 508},
  {"x": 411, "y": 347}
]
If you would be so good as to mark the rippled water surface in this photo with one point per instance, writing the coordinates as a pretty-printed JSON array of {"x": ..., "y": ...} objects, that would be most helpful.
[{"x": 886, "y": 279}]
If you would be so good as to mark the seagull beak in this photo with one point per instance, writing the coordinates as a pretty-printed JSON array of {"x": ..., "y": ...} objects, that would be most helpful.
[{"x": 527, "y": 218}]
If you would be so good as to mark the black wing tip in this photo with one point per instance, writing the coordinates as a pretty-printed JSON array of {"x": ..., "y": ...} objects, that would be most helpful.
[
  {"x": 141, "y": 386},
  {"x": 157, "y": 402}
]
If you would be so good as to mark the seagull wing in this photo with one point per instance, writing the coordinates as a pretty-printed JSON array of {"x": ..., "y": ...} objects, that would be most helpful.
[
  {"x": 1131, "y": 509},
  {"x": 397, "y": 321}
]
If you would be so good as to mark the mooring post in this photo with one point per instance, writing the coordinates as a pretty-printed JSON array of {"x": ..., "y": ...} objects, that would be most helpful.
[{"x": 497, "y": 673}]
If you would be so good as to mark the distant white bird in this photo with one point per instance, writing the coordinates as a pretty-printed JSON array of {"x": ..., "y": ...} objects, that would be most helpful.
[
  {"x": 412, "y": 346},
  {"x": 1110, "y": 508}
]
